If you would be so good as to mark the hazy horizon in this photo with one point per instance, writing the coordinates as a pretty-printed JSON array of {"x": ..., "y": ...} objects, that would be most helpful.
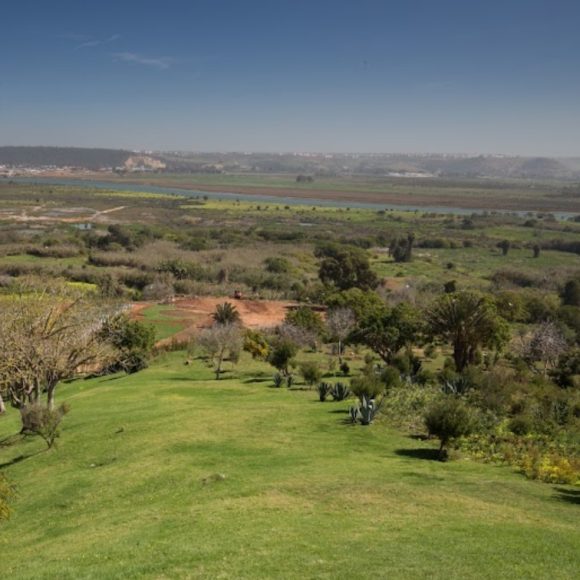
[{"x": 496, "y": 78}]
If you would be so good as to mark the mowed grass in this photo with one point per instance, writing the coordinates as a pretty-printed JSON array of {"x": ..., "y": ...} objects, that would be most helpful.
[
  {"x": 135, "y": 490},
  {"x": 163, "y": 318}
]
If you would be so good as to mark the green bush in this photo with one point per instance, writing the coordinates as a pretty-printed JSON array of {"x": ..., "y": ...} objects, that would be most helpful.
[
  {"x": 310, "y": 372},
  {"x": 448, "y": 419},
  {"x": 369, "y": 386}
]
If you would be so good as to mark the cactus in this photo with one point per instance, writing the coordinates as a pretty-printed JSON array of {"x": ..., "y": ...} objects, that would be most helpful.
[
  {"x": 323, "y": 390},
  {"x": 353, "y": 411},
  {"x": 368, "y": 410},
  {"x": 340, "y": 392}
]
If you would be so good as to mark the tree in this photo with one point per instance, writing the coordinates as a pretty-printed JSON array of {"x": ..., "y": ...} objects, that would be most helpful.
[
  {"x": 226, "y": 313},
  {"x": 468, "y": 321},
  {"x": 389, "y": 332},
  {"x": 282, "y": 353},
  {"x": 345, "y": 267},
  {"x": 362, "y": 303},
  {"x": 47, "y": 336},
  {"x": 401, "y": 249},
  {"x": 133, "y": 340},
  {"x": 504, "y": 246},
  {"x": 340, "y": 323},
  {"x": 571, "y": 293},
  {"x": 448, "y": 419},
  {"x": 304, "y": 317},
  {"x": 545, "y": 345},
  {"x": 221, "y": 341}
]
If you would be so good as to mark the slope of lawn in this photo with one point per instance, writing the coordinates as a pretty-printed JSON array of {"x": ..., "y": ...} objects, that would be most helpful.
[{"x": 170, "y": 474}]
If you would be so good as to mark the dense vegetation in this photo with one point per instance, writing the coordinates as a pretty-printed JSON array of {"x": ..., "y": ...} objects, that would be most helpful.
[{"x": 404, "y": 328}]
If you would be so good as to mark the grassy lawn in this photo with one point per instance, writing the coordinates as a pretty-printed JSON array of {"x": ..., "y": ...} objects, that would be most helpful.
[
  {"x": 162, "y": 316},
  {"x": 135, "y": 489}
]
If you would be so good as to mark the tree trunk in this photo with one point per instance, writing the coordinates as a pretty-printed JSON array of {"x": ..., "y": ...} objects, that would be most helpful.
[
  {"x": 2, "y": 405},
  {"x": 50, "y": 396}
]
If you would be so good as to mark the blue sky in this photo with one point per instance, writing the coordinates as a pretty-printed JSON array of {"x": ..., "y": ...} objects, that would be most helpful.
[{"x": 474, "y": 76}]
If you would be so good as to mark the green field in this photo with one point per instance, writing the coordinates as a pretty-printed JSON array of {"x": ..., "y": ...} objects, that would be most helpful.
[{"x": 170, "y": 474}]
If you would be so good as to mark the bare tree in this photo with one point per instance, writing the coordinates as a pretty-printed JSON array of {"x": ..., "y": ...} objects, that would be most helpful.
[
  {"x": 47, "y": 336},
  {"x": 221, "y": 341},
  {"x": 340, "y": 323},
  {"x": 544, "y": 345}
]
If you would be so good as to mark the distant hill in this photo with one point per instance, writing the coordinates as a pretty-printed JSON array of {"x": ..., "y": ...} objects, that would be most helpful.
[
  {"x": 317, "y": 164},
  {"x": 63, "y": 157}
]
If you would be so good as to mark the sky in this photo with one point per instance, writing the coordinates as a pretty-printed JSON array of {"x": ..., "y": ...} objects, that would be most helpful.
[{"x": 453, "y": 76}]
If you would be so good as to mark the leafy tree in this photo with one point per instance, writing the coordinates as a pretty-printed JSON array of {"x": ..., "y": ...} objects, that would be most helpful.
[
  {"x": 304, "y": 317},
  {"x": 133, "y": 340},
  {"x": 362, "y": 303},
  {"x": 448, "y": 419},
  {"x": 226, "y": 313},
  {"x": 401, "y": 249},
  {"x": 469, "y": 321},
  {"x": 281, "y": 355},
  {"x": 345, "y": 267},
  {"x": 391, "y": 331}
]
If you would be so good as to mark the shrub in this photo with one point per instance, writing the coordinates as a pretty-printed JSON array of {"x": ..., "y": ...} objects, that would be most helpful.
[
  {"x": 448, "y": 419},
  {"x": 277, "y": 265},
  {"x": 310, "y": 372},
  {"x": 345, "y": 368},
  {"x": 367, "y": 386},
  {"x": 42, "y": 421},
  {"x": 278, "y": 380}
]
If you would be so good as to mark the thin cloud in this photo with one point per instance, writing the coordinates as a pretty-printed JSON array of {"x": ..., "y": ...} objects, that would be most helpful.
[
  {"x": 160, "y": 63},
  {"x": 98, "y": 42}
]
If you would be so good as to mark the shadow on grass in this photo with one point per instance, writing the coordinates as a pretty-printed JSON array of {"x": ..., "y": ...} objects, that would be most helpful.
[
  {"x": 568, "y": 495},
  {"x": 18, "y": 459},
  {"x": 422, "y": 453}
]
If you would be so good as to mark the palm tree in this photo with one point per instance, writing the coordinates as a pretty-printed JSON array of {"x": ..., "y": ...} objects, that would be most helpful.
[
  {"x": 468, "y": 321},
  {"x": 226, "y": 313}
]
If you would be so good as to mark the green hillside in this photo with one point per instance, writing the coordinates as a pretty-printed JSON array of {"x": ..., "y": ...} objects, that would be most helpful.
[{"x": 170, "y": 474}]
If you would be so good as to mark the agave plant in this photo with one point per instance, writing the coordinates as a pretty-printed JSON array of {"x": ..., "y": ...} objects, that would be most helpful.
[
  {"x": 323, "y": 390},
  {"x": 278, "y": 380},
  {"x": 340, "y": 391}
]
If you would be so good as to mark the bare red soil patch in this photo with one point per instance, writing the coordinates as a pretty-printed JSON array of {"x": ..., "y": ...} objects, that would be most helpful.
[{"x": 195, "y": 313}]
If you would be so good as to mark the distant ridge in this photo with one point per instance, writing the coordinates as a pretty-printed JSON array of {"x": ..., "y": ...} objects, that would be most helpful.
[
  {"x": 89, "y": 158},
  {"x": 317, "y": 164}
]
